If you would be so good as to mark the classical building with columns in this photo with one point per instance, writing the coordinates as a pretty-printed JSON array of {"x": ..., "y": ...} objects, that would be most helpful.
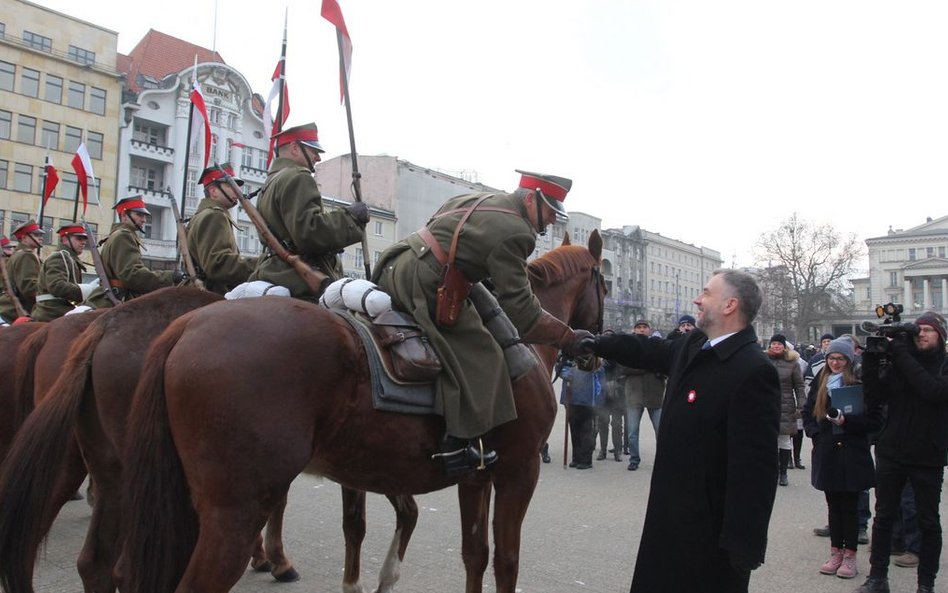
[{"x": 909, "y": 267}]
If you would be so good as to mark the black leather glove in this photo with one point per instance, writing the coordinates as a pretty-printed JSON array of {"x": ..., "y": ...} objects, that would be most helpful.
[
  {"x": 606, "y": 344},
  {"x": 179, "y": 277},
  {"x": 359, "y": 213},
  {"x": 578, "y": 345}
]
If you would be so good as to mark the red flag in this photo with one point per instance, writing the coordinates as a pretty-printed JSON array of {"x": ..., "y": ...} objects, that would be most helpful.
[
  {"x": 82, "y": 165},
  {"x": 197, "y": 100},
  {"x": 52, "y": 179},
  {"x": 271, "y": 126},
  {"x": 332, "y": 13}
]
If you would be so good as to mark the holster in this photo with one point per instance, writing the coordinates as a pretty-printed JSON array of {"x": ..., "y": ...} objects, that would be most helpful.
[
  {"x": 412, "y": 357},
  {"x": 451, "y": 296}
]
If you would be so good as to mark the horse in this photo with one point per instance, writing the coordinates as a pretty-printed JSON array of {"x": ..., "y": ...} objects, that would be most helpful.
[
  {"x": 91, "y": 399},
  {"x": 11, "y": 340},
  {"x": 225, "y": 423}
]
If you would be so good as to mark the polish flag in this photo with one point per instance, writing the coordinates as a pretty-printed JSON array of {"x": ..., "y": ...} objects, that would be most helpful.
[
  {"x": 271, "y": 127},
  {"x": 82, "y": 165},
  {"x": 52, "y": 179},
  {"x": 197, "y": 101},
  {"x": 332, "y": 13}
]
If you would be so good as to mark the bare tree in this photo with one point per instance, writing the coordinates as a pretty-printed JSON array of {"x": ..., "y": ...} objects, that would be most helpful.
[{"x": 809, "y": 265}]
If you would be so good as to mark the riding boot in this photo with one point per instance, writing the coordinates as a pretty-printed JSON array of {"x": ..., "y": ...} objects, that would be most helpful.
[
  {"x": 461, "y": 456},
  {"x": 784, "y": 463}
]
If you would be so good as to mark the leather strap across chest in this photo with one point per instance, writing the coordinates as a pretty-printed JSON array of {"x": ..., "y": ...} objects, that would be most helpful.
[{"x": 433, "y": 244}]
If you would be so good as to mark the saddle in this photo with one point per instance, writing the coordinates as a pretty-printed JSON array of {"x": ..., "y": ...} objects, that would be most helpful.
[{"x": 402, "y": 364}]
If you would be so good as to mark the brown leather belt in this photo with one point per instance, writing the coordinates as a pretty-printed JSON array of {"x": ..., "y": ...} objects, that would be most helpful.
[{"x": 433, "y": 245}]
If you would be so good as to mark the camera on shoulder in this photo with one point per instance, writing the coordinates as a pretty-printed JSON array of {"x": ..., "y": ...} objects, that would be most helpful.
[{"x": 891, "y": 327}]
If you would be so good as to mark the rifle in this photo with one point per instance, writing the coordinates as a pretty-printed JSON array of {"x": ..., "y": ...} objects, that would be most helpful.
[
  {"x": 8, "y": 286},
  {"x": 314, "y": 279},
  {"x": 100, "y": 267},
  {"x": 183, "y": 245}
]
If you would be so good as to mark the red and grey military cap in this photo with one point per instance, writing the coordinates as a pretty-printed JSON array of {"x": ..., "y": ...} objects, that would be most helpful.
[
  {"x": 551, "y": 188},
  {"x": 76, "y": 230},
  {"x": 131, "y": 204},
  {"x": 28, "y": 228},
  {"x": 217, "y": 173},
  {"x": 5, "y": 243},
  {"x": 306, "y": 134}
]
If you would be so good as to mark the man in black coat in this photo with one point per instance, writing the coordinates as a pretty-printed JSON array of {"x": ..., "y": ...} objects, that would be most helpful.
[{"x": 715, "y": 473}]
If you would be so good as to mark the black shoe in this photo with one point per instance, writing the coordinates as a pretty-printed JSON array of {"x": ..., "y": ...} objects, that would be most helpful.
[
  {"x": 863, "y": 536},
  {"x": 822, "y": 531},
  {"x": 584, "y": 466},
  {"x": 617, "y": 456},
  {"x": 601, "y": 456},
  {"x": 797, "y": 464},
  {"x": 874, "y": 585},
  {"x": 461, "y": 456},
  {"x": 572, "y": 464},
  {"x": 625, "y": 450},
  {"x": 633, "y": 466},
  {"x": 925, "y": 589},
  {"x": 545, "y": 453},
  {"x": 782, "y": 480}
]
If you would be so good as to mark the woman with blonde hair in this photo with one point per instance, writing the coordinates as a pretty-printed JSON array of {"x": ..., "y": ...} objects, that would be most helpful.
[{"x": 841, "y": 463}]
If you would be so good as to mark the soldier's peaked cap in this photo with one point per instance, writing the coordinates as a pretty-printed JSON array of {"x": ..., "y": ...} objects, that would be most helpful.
[
  {"x": 552, "y": 188},
  {"x": 4, "y": 242},
  {"x": 216, "y": 173},
  {"x": 28, "y": 228},
  {"x": 306, "y": 134},
  {"x": 131, "y": 204},
  {"x": 72, "y": 229}
]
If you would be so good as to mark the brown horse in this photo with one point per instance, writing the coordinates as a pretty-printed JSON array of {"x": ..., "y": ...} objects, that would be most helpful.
[
  {"x": 92, "y": 398},
  {"x": 237, "y": 398},
  {"x": 15, "y": 411}
]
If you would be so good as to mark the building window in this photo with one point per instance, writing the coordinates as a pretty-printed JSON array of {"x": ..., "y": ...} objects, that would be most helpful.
[
  {"x": 17, "y": 218},
  {"x": 4, "y": 169},
  {"x": 83, "y": 56},
  {"x": 930, "y": 252},
  {"x": 29, "y": 82},
  {"x": 23, "y": 178},
  {"x": 212, "y": 158},
  {"x": 242, "y": 235},
  {"x": 262, "y": 160},
  {"x": 6, "y": 123},
  {"x": 145, "y": 132},
  {"x": 893, "y": 278},
  {"x": 3, "y": 32},
  {"x": 378, "y": 228},
  {"x": 26, "y": 129},
  {"x": 145, "y": 178},
  {"x": 94, "y": 144},
  {"x": 50, "y": 136},
  {"x": 7, "y": 75},
  {"x": 77, "y": 94},
  {"x": 941, "y": 252},
  {"x": 38, "y": 41},
  {"x": 73, "y": 138},
  {"x": 54, "y": 89},
  {"x": 247, "y": 158},
  {"x": 911, "y": 254},
  {"x": 358, "y": 258},
  {"x": 97, "y": 101}
]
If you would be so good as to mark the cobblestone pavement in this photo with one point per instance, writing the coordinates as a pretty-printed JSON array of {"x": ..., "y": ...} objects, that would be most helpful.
[{"x": 581, "y": 534}]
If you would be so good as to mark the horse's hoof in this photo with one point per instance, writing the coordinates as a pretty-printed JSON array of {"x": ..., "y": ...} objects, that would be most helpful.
[
  {"x": 264, "y": 566},
  {"x": 288, "y": 576}
]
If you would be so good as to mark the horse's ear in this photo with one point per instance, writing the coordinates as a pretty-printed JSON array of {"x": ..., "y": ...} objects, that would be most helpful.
[
  {"x": 566, "y": 239},
  {"x": 595, "y": 244}
]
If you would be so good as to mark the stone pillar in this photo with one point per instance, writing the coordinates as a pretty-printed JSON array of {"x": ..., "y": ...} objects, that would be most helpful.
[
  {"x": 907, "y": 295},
  {"x": 944, "y": 294},
  {"x": 926, "y": 294}
]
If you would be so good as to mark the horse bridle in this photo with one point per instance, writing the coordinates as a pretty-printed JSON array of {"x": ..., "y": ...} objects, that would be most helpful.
[{"x": 598, "y": 281}]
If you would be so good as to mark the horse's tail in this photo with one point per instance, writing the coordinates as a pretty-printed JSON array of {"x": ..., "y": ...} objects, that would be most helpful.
[
  {"x": 160, "y": 525},
  {"x": 23, "y": 386},
  {"x": 31, "y": 473}
]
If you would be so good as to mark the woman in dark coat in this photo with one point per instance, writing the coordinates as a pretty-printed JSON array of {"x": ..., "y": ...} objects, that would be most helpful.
[{"x": 841, "y": 462}]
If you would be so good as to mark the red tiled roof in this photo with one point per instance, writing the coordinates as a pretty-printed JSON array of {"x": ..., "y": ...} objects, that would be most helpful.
[{"x": 157, "y": 55}]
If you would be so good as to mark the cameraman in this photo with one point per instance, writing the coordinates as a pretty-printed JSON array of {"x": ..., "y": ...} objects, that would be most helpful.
[{"x": 913, "y": 446}]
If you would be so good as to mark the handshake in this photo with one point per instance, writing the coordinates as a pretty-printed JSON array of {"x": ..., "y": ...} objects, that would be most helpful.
[{"x": 584, "y": 343}]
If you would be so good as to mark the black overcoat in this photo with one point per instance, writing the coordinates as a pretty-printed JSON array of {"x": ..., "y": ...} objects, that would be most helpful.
[
  {"x": 841, "y": 462},
  {"x": 715, "y": 473}
]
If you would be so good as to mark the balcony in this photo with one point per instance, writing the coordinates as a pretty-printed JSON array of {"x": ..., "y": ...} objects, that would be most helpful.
[
  {"x": 158, "y": 197},
  {"x": 160, "y": 249},
  {"x": 149, "y": 150},
  {"x": 253, "y": 175}
]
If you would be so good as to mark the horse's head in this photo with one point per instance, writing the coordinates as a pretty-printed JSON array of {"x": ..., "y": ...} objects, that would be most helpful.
[{"x": 569, "y": 284}]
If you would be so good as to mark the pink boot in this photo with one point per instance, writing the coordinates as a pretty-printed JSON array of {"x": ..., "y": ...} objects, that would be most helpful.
[
  {"x": 847, "y": 569},
  {"x": 834, "y": 562}
]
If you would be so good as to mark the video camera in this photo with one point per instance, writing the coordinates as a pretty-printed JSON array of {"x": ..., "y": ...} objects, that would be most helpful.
[{"x": 891, "y": 327}]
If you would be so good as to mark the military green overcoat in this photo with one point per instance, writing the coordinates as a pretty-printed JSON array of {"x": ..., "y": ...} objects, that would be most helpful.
[
  {"x": 122, "y": 259},
  {"x": 58, "y": 287},
  {"x": 474, "y": 392},
  {"x": 214, "y": 249},
  {"x": 292, "y": 206},
  {"x": 23, "y": 267}
]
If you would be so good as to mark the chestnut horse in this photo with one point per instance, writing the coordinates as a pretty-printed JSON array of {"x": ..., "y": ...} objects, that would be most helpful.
[
  {"x": 237, "y": 398},
  {"x": 15, "y": 411},
  {"x": 92, "y": 398}
]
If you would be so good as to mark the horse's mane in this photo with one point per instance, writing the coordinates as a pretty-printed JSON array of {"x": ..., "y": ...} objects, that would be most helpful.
[{"x": 559, "y": 265}]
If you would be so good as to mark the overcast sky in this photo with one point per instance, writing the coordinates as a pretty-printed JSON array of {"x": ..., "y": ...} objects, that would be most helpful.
[{"x": 708, "y": 122}]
